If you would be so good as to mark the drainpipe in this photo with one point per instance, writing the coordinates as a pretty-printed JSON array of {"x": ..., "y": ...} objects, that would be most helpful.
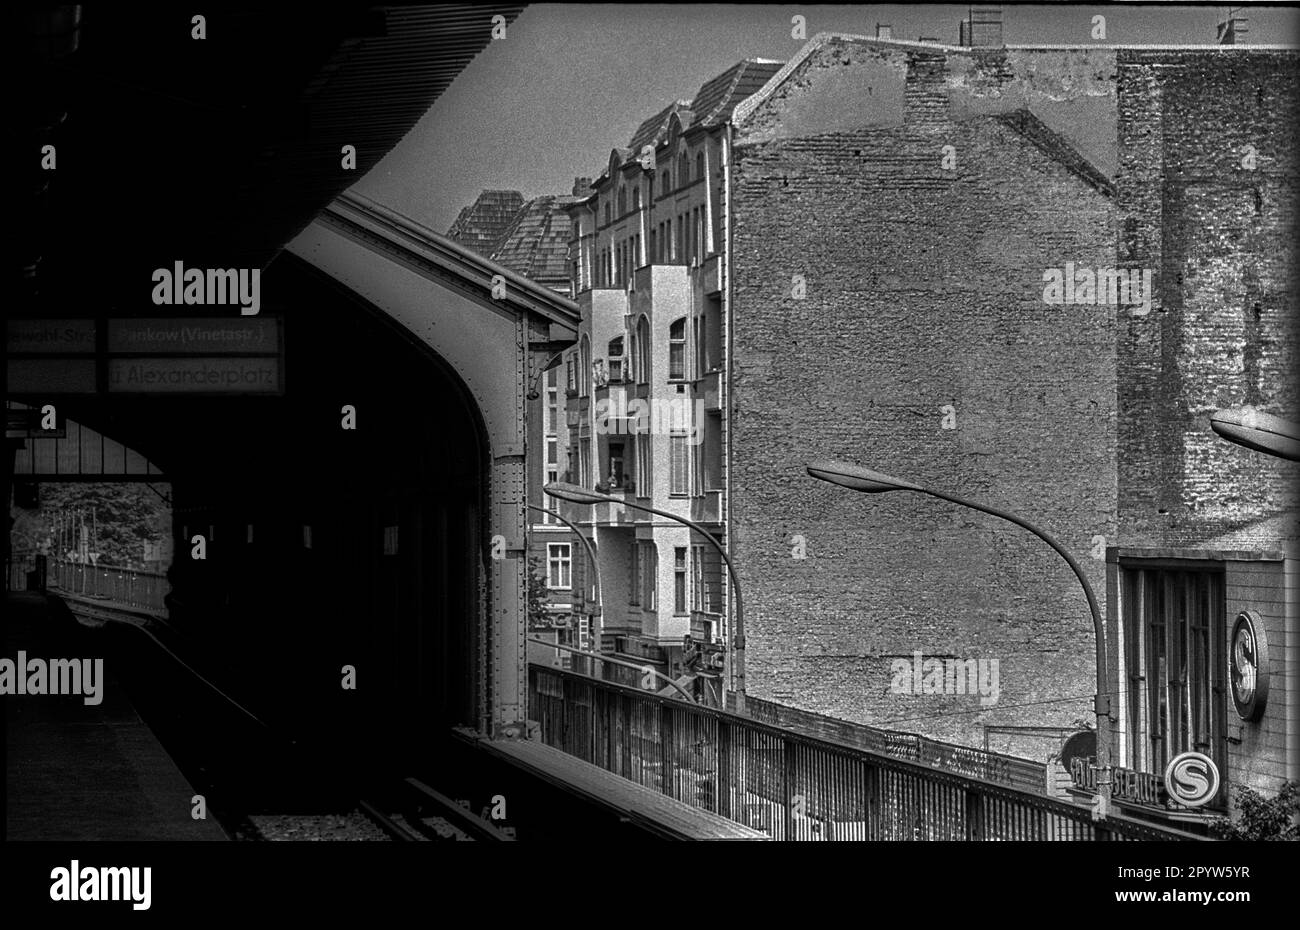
[{"x": 736, "y": 652}]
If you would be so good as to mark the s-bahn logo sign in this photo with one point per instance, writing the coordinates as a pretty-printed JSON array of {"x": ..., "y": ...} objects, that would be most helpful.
[
  {"x": 1192, "y": 779},
  {"x": 1248, "y": 666}
]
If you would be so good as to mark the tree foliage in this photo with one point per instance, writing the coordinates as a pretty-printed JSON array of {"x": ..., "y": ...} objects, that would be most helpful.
[
  {"x": 1262, "y": 818},
  {"x": 126, "y": 515}
]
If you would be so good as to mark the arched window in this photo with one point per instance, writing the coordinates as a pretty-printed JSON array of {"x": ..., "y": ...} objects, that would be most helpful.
[
  {"x": 584, "y": 368},
  {"x": 699, "y": 166},
  {"x": 677, "y": 349},
  {"x": 622, "y": 201},
  {"x": 683, "y": 169},
  {"x": 642, "y": 358},
  {"x": 636, "y": 197},
  {"x": 668, "y": 182},
  {"x": 606, "y": 212},
  {"x": 615, "y": 354}
]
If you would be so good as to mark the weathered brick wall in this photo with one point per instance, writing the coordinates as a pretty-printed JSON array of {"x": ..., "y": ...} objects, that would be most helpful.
[
  {"x": 924, "y": 289},
  {"x": 1206, "y": 190}
]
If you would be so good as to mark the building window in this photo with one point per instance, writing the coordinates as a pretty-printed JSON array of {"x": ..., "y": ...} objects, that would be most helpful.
[
  {"x": 571, "y": 373},
  {"x": 699, "y": 166},
  {"x": 584, "y": 368},
  {"x": 654, "y": 242},
  {"x": 636, "y": 197},
  {"x": 636, "y": 250},
  {"x": 641, "y": 349},
  {"x": 681, "y": 237},
  {"x": 606, "y": 212},
  {"x": 683, "y": 169},
  {"x": 559, "y": 564},
  {"x": 616, "y": 476},
  {"x": 649, "y": 573},
  {"x": 697, "y": 577},
  {"x": 634, "y": 576},
  {"x": 679, "y": 580},
  {"x": 584, "y": 463},
  {"x": 622, "y": 201},
  {"x": 1174, "y": 635},
  {"x": 390, "y": 540},
  {"x": 668, "y": 182},
  {"x": 642, "y": 466},
  {"x": 680, "y": 454},
  {"x": 615, "y": 355},
  {"x": 548, "y": 515},
  {"x": 677, "y": 350}
]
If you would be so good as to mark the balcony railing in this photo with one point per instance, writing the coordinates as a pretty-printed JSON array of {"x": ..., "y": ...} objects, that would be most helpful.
[
  {"x": 791, "y": 785},
  {"x": 709, "y": 389},
  {"x": 707, "y": 508}
]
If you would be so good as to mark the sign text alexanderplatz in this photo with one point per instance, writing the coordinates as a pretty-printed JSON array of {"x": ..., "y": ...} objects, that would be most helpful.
[{"x": 220, "y": 355}]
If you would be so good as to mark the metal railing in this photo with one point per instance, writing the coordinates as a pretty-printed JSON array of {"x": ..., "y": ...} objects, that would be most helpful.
[
  {"x": 791, "y": 785},
  {"x": 128, "y": 586},
  {"x": 983, "y": 764}
]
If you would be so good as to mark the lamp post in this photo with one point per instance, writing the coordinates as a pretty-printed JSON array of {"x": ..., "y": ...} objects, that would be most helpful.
[
  {"x": 595, "y": 566},
  {"x": 857, "y": 478},
  {"x": 736, "y": 654},
  {"x": 1262, "y": 432}
]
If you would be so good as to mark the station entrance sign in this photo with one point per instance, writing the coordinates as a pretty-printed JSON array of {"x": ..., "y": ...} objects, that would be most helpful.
[{"x": 217, "y": 355}]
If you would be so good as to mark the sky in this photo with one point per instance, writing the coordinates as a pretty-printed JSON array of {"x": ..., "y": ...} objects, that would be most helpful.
[{"x": 570, "y": 82}]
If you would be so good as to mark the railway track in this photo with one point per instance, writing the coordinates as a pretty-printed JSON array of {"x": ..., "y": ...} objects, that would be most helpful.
[
  {"x": 414, "y": 812},
  {"x": 405, "y": 809}
]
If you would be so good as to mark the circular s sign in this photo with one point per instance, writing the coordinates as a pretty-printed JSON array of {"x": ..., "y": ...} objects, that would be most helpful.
[
  {"x": 1192, "y": 779},
  {"x": 1248, "y": 666}
]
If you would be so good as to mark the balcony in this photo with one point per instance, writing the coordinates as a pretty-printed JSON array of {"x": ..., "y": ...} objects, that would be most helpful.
[
  {"x": 707, "y": 507},
  {"x": 710, "y": 388},
  {"x": 611, "y": 513},
  {"x": 711, "y": 275}
]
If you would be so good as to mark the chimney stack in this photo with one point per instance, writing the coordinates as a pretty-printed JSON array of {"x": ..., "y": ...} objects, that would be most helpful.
[{"x": 581, "y": 187}]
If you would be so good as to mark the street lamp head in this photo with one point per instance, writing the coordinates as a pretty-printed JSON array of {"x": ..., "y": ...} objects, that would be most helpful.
[
  {"x": 857, "y": 478},
  {"x": 1262, "y": 432},
  {"x": 572, "y": 493}
]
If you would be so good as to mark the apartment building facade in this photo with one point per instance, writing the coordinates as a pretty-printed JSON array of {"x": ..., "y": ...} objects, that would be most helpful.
[{"x": 643, "y": 385}]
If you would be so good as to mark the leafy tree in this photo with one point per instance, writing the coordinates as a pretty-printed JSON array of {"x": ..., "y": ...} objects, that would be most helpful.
[
  {"x": 538, "y": 593},
  {"x": 1262, "y": 818},
  {"x": 126, "y": 515}
]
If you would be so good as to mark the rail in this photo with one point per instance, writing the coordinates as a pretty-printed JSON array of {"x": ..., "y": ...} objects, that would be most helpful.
[
  {"x": 790, "y": 785},
  {"x": 129, "y": 586}
]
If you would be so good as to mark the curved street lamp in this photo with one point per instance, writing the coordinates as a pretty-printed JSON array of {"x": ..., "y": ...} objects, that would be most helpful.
[
  {"x": 1262, "y": 432},
  {"x": 736, "y": 654},
  {"x": 857, "y": 478}
]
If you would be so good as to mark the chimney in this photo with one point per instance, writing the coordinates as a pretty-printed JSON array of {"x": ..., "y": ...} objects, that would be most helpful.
[
  {"x": 982, "y": 27},
  {"x": 1233, "y": 28},
  {"x": 581, "y": 187},
  {"x": 884, "y": 31}
]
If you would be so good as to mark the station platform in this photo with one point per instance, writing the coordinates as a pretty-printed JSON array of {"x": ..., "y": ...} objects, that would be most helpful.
[{"x": 78, "y": 771}]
